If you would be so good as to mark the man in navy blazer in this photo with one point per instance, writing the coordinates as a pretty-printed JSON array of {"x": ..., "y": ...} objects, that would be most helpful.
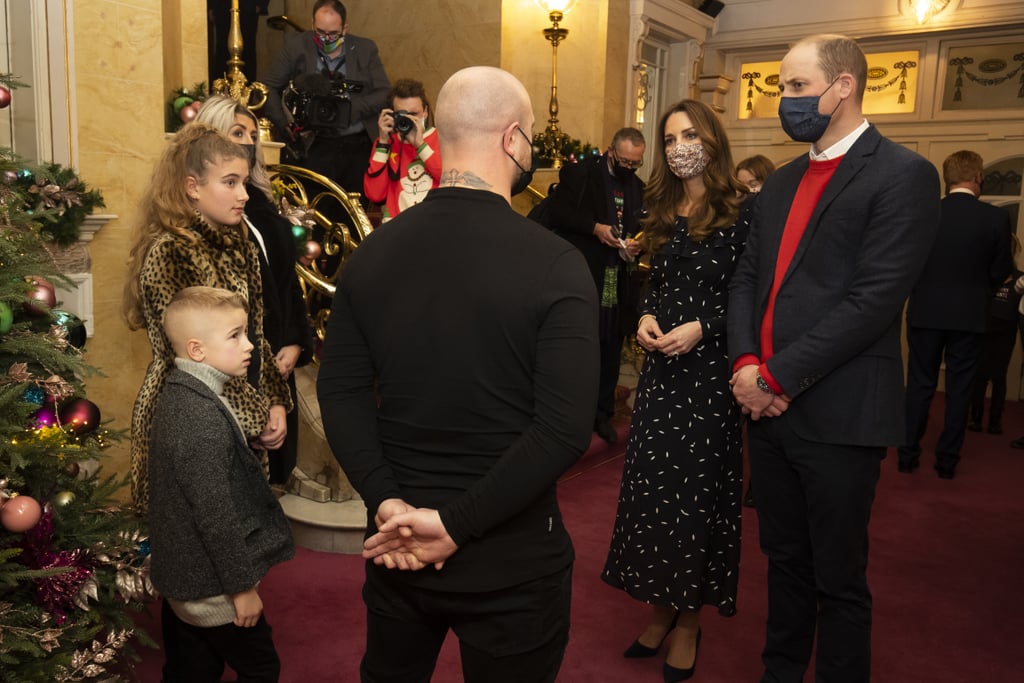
[
  {"x": 949, "y": 309},
  {"x": 342, "y": 154},
  {"x": 838, "y": 238}
]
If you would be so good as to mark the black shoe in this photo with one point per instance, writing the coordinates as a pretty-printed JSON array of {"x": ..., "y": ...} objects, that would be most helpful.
[
  {"x": 748, "y": 497},
  {"x": 604, "y": 429},
  {"x": 908, "y": 466},
  {"x": 995, "y": 429},
  {"x": 1017, "y": 443},
  {"x": 974, "y": 425},
  {"x": 672, "y": 675},
  {"x": 945, "y": 472},
  {"x": 638, "y": 651}
]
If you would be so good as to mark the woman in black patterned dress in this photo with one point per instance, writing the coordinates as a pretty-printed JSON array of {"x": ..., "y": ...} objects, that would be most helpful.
[{"x": 676, "y": 543}]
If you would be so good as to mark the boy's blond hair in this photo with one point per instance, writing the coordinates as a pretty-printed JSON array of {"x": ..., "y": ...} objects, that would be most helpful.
[{"x": 180, "y": 320}]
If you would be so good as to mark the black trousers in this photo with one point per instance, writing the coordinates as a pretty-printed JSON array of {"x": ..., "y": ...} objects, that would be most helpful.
[
  {"x": 927, "y": 348},
  {"x": 198, "y": 655},
  {"x": 813, "y": 507},
  {"x": 283, "y": 460},
  {"x": 993, "y": 364},
  {"x": 342, "y": 159},
  {"x": 611, "y": 360},
  {"x": 513, "y": 635}
]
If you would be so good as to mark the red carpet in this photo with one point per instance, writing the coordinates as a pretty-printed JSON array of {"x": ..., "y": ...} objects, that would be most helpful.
[{"x": 946, "y": 558}]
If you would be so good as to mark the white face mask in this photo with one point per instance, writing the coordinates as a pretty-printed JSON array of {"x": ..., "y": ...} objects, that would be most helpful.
[{"x": 687, "y": 160}]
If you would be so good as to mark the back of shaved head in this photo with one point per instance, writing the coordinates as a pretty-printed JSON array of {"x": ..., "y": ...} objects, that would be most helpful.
[{"x": 479, "y": 101}]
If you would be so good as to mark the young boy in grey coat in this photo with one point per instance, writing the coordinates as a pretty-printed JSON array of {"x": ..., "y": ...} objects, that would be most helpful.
[{"x": 215, "y": 526}]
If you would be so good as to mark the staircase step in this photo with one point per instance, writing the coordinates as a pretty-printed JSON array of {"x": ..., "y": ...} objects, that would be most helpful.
[{"x": 326, "y": 527}]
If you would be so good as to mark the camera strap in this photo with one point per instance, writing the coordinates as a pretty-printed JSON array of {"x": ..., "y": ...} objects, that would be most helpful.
[
  {"x": 395, "y": 174},
  {"x": 333, "y": 73}
]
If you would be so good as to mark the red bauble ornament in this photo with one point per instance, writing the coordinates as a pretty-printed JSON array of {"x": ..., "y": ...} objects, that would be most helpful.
[
  {"x": 20, "y": 513},
  {"x": 81, "y": 415},
  {"x": 42, "y": 296},
  {"x": 5, "y": 97}
]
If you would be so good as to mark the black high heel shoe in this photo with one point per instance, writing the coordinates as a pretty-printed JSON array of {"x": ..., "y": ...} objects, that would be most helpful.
[
  {"x": 637, "y": 650},
  {"x": 673, "y": 675}
]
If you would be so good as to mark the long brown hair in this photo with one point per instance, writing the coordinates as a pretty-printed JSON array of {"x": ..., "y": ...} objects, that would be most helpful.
[
  {"x": 165, "y": 207},
  {"x": 723, "y": 194}
]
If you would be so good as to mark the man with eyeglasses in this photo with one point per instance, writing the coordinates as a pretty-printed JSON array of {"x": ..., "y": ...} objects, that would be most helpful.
[
  {"x": 596, "y": 207},
  {"x": 328, "y": 62}
]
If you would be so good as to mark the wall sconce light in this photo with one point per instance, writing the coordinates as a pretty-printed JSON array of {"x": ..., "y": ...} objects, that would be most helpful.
[
  {"x": 921, "y": 10},
  {"x": 553, "y": 138}
]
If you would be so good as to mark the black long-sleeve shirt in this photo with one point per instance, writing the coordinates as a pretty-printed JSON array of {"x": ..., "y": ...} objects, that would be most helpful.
[{"x": 479, "y": 329}]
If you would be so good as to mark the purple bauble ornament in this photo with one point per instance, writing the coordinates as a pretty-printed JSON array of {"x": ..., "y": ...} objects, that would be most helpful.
[{"x": 45, "y": 416}]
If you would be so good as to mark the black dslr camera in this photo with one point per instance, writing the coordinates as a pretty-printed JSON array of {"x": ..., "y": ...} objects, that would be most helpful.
[
  {"x": 403, "y": 124},
  {"x": 319, "y": 103}
]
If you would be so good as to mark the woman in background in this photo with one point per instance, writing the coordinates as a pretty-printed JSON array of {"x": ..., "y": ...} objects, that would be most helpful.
[
  {"x": 753, "y": 171},
  {"x": 676, "y": 542},
  {"x": 285, "y": 323}
]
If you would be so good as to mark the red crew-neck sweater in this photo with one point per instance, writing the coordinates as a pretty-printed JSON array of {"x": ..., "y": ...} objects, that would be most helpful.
[{"x": 812, "y": 185}]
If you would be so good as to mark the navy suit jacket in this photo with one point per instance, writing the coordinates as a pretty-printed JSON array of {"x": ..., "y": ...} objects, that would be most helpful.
[
  {"x": 362, "y": 62},
  {"x": 970, "y": 260},
  {"x": 836, "y": 329}
]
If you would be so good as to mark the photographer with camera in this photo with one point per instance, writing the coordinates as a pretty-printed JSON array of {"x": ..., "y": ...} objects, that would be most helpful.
[
  {"x": 334, "y": 86},
  {"x": 405, "y": 163}
]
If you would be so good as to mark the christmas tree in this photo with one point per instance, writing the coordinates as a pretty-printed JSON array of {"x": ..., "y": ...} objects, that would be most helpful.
[{"x": 73, "y": 563}]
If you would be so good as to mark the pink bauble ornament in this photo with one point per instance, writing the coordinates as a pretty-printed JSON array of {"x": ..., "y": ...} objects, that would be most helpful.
[
  {"x": 81, "y": 415},
  {"x": 189, "y": 112},
  {"x": 42, "y": 296},
  {"x": 5, "y": 97},
  {"x": 20, "y": 513},
  {"x": 312, "y": 250}
]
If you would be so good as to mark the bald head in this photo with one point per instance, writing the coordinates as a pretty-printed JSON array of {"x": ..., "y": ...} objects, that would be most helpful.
[{"x": 478, "y": 102}]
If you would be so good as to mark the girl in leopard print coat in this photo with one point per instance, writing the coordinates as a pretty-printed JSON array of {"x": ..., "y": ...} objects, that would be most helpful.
[{"x": 191, "y": 233}]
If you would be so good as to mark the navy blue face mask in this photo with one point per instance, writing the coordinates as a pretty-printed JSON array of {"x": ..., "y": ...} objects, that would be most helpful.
[{"x": 801, "y": 119}]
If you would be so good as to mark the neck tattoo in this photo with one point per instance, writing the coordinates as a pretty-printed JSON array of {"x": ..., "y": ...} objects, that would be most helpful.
[{"x": 456, "y": 178}]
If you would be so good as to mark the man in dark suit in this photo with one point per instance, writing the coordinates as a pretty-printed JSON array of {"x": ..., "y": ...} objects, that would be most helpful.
[
  {"x": 597, "y": 207},
  {"x": 949, "y": 309},
  {"x": 836, "y": 243},
  {"x": 339, "y": 151}
]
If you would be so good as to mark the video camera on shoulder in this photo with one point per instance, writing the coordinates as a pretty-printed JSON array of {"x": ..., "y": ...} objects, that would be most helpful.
[{"x": 319, "y": 103}]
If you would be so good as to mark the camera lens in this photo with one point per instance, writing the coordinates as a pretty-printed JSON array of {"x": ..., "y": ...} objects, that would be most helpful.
[{"x": 403, "y": 124}]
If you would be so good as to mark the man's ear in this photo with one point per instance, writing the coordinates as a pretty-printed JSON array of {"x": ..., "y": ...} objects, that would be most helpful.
[
  {"x": 194, "y": 349},
  {"x": 847, "y": 85}
]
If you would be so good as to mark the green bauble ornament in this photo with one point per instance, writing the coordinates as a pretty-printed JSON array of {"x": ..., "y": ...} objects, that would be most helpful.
[{"x": 6, "y": 317}]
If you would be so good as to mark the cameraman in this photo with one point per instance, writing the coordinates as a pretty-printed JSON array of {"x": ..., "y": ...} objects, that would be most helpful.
[
  {"x": 405, "y": 163},
  {"x": 352, "y": 73}
]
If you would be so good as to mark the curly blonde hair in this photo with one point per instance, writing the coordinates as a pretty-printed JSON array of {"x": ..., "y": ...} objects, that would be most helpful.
[
  {"x": 166, "y": 208},
  {"x": 720, "y": 205}
]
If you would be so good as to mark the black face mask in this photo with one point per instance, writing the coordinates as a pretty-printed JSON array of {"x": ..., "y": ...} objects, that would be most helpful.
[
  {"x": 623, "y": 173},
  {"x": 250, "y": 150},
  {"x": 525, "y": 176}
]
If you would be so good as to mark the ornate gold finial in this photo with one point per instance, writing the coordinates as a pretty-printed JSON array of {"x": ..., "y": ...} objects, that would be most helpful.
[{"x": 234, "y": 85}]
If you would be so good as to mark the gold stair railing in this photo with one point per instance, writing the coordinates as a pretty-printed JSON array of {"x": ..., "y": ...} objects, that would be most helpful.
[{"x": 337, "y": 222}]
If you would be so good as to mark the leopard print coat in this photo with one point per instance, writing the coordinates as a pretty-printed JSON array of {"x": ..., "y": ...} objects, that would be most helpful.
[{"x": 221, "y": 258}]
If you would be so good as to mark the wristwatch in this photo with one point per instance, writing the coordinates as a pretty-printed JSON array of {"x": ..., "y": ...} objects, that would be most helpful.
[{"x": 763, "y": 385}]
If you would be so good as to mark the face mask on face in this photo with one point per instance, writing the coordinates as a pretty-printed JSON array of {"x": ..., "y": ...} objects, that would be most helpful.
[
  {"x": 251, "y": 151},
  {"x": 687, "y": 161},
  {"x": 801, "y": 119},
  {"x": 623, "y": 173},
  {"x": 328, "y": 48},
  {"x": 525, "y": 176}
]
